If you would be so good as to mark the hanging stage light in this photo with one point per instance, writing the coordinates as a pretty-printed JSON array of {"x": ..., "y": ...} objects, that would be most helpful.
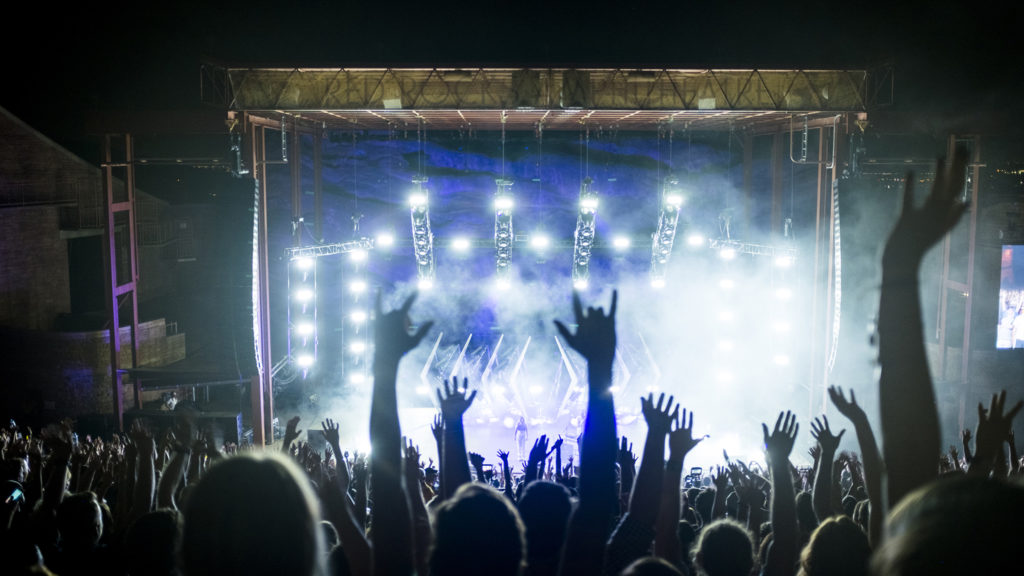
[
  {"x": 583, "y": 240},
  {"x": 422, "y": 237},
  {"x": 503, "y": 233},
  {"x": 664, "y": 237}
]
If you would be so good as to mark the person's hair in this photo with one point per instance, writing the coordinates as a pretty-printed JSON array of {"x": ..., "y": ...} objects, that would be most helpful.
[
  {"x": 151, "y": 543},
  {"x": 477, "y": 531},
  {"x": 80, "y": 520},
  {"x": 724, "y": 549},
  {"x": 254, "y": 513},
  {"x": 837, "y": 547},
  {"x": 966, "y": 524},
  {"x": 545, "y": 508},
  {"x": 650, "y": 566}
]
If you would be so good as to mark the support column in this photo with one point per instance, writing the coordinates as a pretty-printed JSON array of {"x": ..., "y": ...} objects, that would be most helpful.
[{"x": 262, "y": 387}]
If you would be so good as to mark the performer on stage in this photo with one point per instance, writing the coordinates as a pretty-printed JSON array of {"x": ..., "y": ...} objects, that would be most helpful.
[{"x": 520, "y": 436}]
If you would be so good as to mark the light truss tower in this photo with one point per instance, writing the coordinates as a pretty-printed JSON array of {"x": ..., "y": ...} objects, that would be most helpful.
[
  {"x": 583, "y": 240},
  {"x": 504, "y": 235},
  {"x": 665, "y": 235},
  {"x": 302, "y": 321},
  {"x": 422, "y": 237}
]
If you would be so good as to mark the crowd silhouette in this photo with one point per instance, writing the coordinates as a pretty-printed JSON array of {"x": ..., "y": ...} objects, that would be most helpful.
[{"x": 146, "y": 503}]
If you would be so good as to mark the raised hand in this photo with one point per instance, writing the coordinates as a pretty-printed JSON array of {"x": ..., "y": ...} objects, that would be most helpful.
[
  {"x": 331, "y": 435},
  {"x": 391, "y": 330},
  {"x": 455, "y": 402},
  {"x": 994, "y": 426},
  {"x": 557, "y": 444},
  {"x": 626, "y": 455},
  {"x": 848, "y": 408},
  {"x": 658, "y": 420},
  {"x": 291, "y": 432},
  {"x": 503, "y": 456},
  {"x": 828, "y": 441},
  {"x": 779, "y": 444},
  {"x": 721, "y": 480},
  {"x": 412, "y": 461},
  {"x": 595, "y": 331},
  {"x": 680, "y": 439},
  {"x": 540, "y": 450},
  {"x": 918, "y": 229},
  {"x": 476, "y": 460}
]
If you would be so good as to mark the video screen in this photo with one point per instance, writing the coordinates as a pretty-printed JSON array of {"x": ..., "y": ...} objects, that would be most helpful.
[{"x": 1010, "y": 332}]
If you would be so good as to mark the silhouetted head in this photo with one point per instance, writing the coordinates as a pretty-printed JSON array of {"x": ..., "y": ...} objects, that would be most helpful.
[
  {"x": 805, "y": 516},
  {"x": 724, "y": 549},
  {"x": 475, "y": 531},
  {"x": 253, "y": 514},
  {"x": 544, "y": 508},
  {"x": 955, "y": 525},
  {"x": 80, "y": 521},
  {"x": 151, "y": 544},
  {"x": 837, "y": 547},
  {"x": 650, "y": 566}
]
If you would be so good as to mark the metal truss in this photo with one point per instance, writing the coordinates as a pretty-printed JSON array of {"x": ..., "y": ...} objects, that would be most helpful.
[
  {"x": 665, "y": 235},
  {"x": 504, "y": 235},
  {"x": 752, "y": 249},
  {"x": 241, "y": 88},
  {"x": 297, "y": 252},
  {"x": 422, "y": 237},
  {"x": 583, "y": 239}
]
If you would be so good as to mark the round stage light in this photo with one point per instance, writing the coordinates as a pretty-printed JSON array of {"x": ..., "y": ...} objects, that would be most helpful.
[
  {"x": 725, "y": 345},
  {"x": 303, "y": 294},
  {"x": 508, "y": 422},
  {"x": 658, "y": 283},
  {"x": 726, "y": 284},
  {"x": 781, "y": 360},
  {"x": 385, "y": 239},
  {"x": 580, "y": 284},
  {"x": 304, "y": 360},
  {"x": 460, "y": 244},
  {"x": 418, "y": 200},
  {"x": 503, "y": 203},
  {"x": 727, "y": 253},
  {"x": 358, "y": 255},
  {"x": 621, "y": 242},
  {"x": 357, "y": 286},
  {"x": 304, "y": 328},
  {"x": 539, "y": 241},
  {"x": 357, "y": 378},
  {"x": 781, "y": 327},
  {"x": 303, "y": 263},
  {"x": 588, "y": 204},
  {"x": 783, "y": 293},
  {"x": 502, "y": 284},
  {"x": 358, "y": 316},
  {"x": 425, "y": 284},
  {"x": 674, "y": 200},
  {"x": 357, "y": 347},
  {"x": 614, "y": 389},
  {"x": 724, "y": 376},
  {"x": 784, "y": 261},
  {"x": 695, "y": 240}
]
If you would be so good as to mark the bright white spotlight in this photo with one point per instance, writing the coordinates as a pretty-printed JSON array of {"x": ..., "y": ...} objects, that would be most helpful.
[
  {"x": 357, "y": 378},
  {"x": 695, "y": 240},
  {"x": 385, "y": 239},
  {"x": 724, "y": 376},
  {"x": 783, "y": 293},
  {"x": 725, "y": 345},
  {"x": 621, "y": 242},
  {"x": 540, "y": 241},
  {"x": 418, "y": 200},
  {"x": 783, "y": 261},
  {"x": 357, "y": 346},
  {"x": 726, "y": 316},
  {"x": 358, "y": 316},
  {"x": 535, "y": 390},
  {"x": 781, "y": 327},
  {"x": 781, "y": 360},
  {"x": 460, "y": 244},
  {"x": 425, "y": 284},
  {"x": 304, "y": 360},
  {"x": 423, "y": 390},
  {"x": 304, "y": 328},
  {"x": 303, "y": 294},
  {"x": 726, "y": 284},
  {"x": 357, "y": 286},
  {"x": 675, "y": 200},
  {"x": 504, "y": 203},
  {"x": 303, "y": 263},
  {"x": 657, "y": 283},
  {"x": 358, "y": 255},
  {"x": 588, "y": 203},
  {"x": 580, "y": 284},
  {"x": 502, "y": 284},
  {"x": 727, "y": 253},
  {"x": 614, "y": 389}
]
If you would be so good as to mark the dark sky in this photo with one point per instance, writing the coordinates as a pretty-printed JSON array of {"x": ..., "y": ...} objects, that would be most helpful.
[{"x": 955, "y": 61}]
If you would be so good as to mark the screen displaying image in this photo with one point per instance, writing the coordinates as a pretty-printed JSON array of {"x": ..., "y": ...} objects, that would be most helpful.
[{"x": 1010, "y": 332}]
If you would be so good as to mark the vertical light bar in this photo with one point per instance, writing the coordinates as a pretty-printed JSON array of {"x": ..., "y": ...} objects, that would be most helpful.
[
  {"x": 504, "y": 235},
  {"x": 302, "y": 299},
  {"x": 664, "y": 237},
  {"x": 422, "y": 237},
  {"x": 583, "y": 240}
]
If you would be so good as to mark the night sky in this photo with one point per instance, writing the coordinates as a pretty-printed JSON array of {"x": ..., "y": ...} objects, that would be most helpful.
[{"x": 955, "y": 63}]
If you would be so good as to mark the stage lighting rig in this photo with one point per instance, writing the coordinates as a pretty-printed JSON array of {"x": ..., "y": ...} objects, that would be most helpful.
[
  {"x": 422, "y": 237},
  {"x": 503, "y": 232},
  {"x": 583, "y": 239},
  {"x": 665, "y": 235}
]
